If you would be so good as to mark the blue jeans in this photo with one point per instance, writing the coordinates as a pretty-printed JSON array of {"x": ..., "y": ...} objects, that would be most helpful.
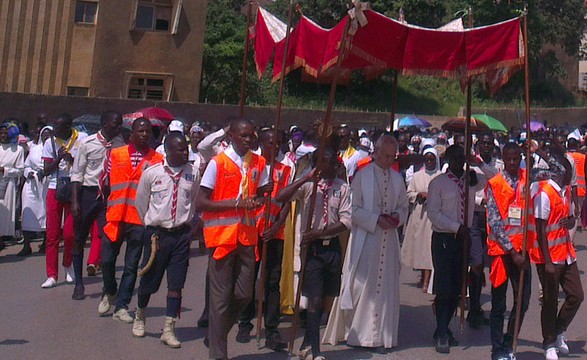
[{"x": 133, "y": 235}]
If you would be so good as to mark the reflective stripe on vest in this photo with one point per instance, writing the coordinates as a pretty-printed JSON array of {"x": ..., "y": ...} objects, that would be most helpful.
[
  {"x": 558, "y": 239},
  {"x": 230, "y": 227}
]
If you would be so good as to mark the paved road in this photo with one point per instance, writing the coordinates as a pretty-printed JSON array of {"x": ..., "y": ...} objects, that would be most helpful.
[{"x": 40, "y": 323}]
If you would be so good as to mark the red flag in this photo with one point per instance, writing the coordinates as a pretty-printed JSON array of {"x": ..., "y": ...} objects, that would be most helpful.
[{"x": 269, "y": 30}]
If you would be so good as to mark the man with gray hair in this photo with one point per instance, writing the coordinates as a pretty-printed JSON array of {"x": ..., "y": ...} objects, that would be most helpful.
[{"x": 367, "y": 311}]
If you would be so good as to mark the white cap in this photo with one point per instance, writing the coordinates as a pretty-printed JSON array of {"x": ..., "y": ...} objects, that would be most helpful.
[{"x": 175, "y": 125}]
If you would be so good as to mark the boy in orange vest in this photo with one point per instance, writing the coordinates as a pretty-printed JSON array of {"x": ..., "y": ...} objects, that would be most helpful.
[
  {"x": 505, "y": 229},
  {"x": 555, "y": 257}
]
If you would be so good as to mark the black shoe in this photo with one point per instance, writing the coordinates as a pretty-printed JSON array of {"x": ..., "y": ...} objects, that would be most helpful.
[
  {"x": 244, "y": 333},
  {"x": 78, "y": 293},
  {"x": 42, "y": 248},
  {"x": 441, "y": 345},
  {"x": 476, "y": 319},
  {"x": 203, "y": 323},
  {"x": 274, "y": 342},
  {"x": 206, "y": 342},
  {"x": 451, "y": 339},
  {"x": 26, "y": 251},
  {"x": 380, "y": 350}
]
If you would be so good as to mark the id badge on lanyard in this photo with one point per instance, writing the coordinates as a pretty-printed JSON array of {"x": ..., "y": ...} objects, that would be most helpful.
[{"x": 515, "y": 211}]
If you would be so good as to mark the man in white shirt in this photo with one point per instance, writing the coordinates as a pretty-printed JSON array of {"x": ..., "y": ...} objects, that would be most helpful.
[
  {"x": 555, "y": 256},
  {"x": 58, "y": 154},
  {"x": 166, "y": 199},
  {"x": 446, "y": 202}
]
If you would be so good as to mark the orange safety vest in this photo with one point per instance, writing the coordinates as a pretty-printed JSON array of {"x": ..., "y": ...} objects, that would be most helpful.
[
  {"x": 225, "y": 229},
  {"x": 124, "y": 181},
  {"x": 505, "y": 196},
  {"x": 580, "y": 167},
  {"x": 281, "y": 175},
  {"x": 559, "y": 240}
]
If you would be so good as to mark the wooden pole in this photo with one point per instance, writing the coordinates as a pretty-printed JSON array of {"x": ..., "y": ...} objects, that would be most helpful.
[
  {"x": 520, "y": 294},
  {"x": 325, "y": 125},
  {"x": 393, "y": 98},
  {"x": 261, "y": 289},
  {"x": 466, "y": 202},
  {"x": 241, "y": 109}
]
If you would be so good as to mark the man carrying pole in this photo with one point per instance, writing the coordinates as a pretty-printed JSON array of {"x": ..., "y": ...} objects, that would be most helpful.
[
  {"x": 506, "y": 204},
  {"x": 451, "y": 231},
  {"x": 330, "y": 217}
]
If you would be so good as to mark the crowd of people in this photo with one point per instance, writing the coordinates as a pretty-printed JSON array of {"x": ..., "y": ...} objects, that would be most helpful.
[{"x": 333, "y": 219}]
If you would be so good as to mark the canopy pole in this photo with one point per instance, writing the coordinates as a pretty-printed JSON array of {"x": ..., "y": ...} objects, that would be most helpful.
[
  {"x": 393, "y": 98},
  {"x": 241, "y": 109},
  {"x": 526, "y": 185},
  {"x": 466, "y": 209},
  {"x": 325, "y": 125},
  {"x": 261, "y": 289}
]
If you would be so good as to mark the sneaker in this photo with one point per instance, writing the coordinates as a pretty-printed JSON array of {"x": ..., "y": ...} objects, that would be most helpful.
[
  {"x": 305, "y": 352},
  {"x": 138, "y": 326},
  {"x": 441, "y": 346},
  {"x": 551, "y": 353},
  {"x": 561, "y": 344},
  {"x": 49, "y": 283},
  {"x": 78, "y": 293},
  {"x": 105, "y": 304},
  {"x": 69, "y": 275},
  {"x": 244, "y": 333},
  {"x": 122, "y": 315},
  {"x": 91, "y": 269}
]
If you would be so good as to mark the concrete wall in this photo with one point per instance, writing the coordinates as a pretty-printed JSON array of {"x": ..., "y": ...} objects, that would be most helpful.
[
  {"x": 36, "y": 36},
  {"x": 119, "y": 50},
  {"x": 44, "y": 51},
  {"x": 26, "y": 107}
]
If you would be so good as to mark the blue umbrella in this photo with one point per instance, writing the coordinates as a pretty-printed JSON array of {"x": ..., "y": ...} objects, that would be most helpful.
[{"x": 413, "y": 120}]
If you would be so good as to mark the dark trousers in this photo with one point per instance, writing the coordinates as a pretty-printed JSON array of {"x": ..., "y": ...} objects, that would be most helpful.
[
  {"x": 272, "y": 295},
  {"x": 477, "y": 255},
  {"x": 553, "y": 324},
  {"x": 231, "y": 289},
  {"x": 92, "y": 208},
  {"x": 133, "y": 236},
  {"x": 447, "y": 257},
  {"x": 499, "y": 341}
]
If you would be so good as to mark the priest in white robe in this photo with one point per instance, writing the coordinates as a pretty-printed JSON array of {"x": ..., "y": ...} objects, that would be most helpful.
[{"x": 367, "y": 311}]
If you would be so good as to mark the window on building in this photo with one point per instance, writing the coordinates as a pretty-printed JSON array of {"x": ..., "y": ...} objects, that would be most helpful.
[
  {"x": 77, "y": 91},
  {"x": 85, "y": 12},
  {"x": 157, "y": 15},
  {"x": 149, "y": 86}
]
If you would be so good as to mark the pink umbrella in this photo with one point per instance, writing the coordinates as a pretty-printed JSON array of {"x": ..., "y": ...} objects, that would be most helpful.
[{"x": 158, "y": 116}]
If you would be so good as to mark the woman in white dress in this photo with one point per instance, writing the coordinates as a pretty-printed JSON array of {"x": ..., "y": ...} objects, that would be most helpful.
[
  {"x": 11, "y": 167},
  {"x": 416, "y": 249},
  {"x": 34, "y": 192}
]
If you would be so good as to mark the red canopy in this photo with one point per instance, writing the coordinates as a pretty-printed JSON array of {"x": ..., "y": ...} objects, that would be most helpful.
[{"x": 383, "y": 43}]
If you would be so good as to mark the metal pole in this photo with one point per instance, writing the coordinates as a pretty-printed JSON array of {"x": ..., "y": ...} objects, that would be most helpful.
[
  {"x": 261, "y": 290},
  {"x": 325, "y": 125},
  {"x": 526, "y": 185},
  {"x": 245, "y": 58}
]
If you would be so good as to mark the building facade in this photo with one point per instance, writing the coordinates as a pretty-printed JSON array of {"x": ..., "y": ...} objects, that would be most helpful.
[{"x": 137, "y": 49}]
